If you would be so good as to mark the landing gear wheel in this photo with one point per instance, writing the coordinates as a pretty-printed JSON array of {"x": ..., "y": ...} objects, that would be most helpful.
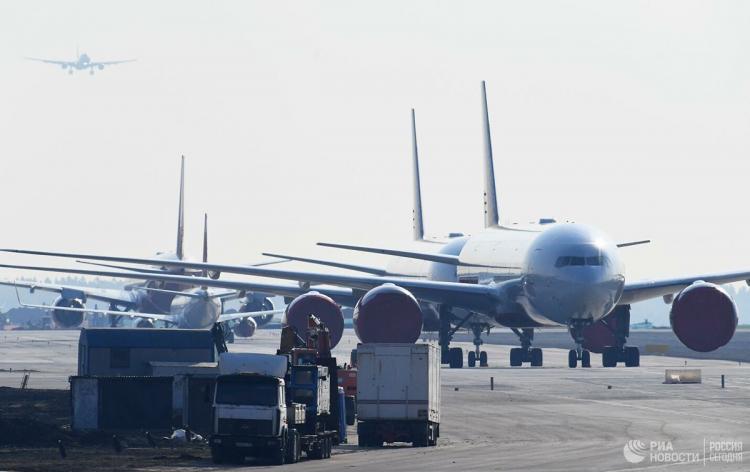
[
  {"x": 472, "y": 359},
  {"x": 585, "y": 359},
  {"x": 609, "y": 356},
  {"x": 536, "y": 357},
  {"x": 572, "y": 359},
  {"x": 516, "y": 356},
  {"x": 483, "y": 359},
  {"x": 632, "y": 357},
  {"x": 456, "y": 358}
]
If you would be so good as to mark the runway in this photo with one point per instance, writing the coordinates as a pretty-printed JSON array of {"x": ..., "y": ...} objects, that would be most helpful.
[{"x": 543, "y": 419}]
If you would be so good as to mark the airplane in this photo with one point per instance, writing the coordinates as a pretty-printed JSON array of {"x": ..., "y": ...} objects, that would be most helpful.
[
  {"x": 82, "y": 62},
  {"x": 181, "y": 305},
  {"x": 554, "y": 275}
]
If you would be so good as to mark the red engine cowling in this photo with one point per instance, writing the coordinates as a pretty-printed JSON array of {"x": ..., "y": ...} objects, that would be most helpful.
[
  {"x": 387, "y": 314},
  {"x": 65, "y": 318},
  {"x": 322, "y": 306},
  {"x": 245, "y": 328},
  {"x": 703, "y": 317}
]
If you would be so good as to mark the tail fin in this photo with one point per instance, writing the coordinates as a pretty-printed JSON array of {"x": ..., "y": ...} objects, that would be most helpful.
[
  {"x": 204, "y": 273},
  {"x": 181, "y": 213},
  {"x": 417, "y": 224},
  {"x": 491, "y": 213}
]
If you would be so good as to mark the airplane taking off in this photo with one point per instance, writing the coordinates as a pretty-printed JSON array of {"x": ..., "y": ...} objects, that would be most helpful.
[
  {"x": 82, "y": 62},
  {"x": 181, "y": 304},
  {"x": 556, "y": 275}
]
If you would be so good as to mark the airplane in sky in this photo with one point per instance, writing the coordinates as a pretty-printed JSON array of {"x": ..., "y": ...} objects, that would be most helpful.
[
  {"x": 82, "y": 63},
  {"x": 176, "y": 304},
  {"x": 545, "y": 276}
]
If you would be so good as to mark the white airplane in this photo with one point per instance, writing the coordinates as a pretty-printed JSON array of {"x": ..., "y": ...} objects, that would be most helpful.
[
  {"x": 185, "y": 305},
  {"x": 82, "y": 62},
  {"x": 555, "y": 275}
]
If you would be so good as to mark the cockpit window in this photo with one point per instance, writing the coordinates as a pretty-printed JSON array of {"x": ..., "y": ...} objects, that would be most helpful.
[{"x": 564, "y": 261}]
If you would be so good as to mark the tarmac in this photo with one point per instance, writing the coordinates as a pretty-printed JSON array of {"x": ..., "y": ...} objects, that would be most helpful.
[{"x": 535, "y": 419}]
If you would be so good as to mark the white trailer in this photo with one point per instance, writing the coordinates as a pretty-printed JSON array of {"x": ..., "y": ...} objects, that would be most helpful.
[{"x": 398, "y": 394}]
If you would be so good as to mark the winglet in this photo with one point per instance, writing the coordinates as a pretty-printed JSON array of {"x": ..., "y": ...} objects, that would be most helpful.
[
  {"x": 417, "y": 224},
  {"x": 491, "y": 213},
  {"x": 181, "y": 212}
]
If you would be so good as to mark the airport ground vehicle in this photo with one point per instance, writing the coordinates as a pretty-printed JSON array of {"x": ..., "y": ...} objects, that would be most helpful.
[
  {"x": 398, "y": 394},
  {"x": 266, "y": 407}
]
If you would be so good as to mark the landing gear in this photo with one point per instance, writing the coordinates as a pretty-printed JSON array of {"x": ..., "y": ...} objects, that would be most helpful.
[
  {"x": 579, "y": 353},
  {"x": 477, "y": 353},
  {"x": 629, "y": 355},
  {"x": 525, "y": 353},
  {"x": 456, "y": 358}
]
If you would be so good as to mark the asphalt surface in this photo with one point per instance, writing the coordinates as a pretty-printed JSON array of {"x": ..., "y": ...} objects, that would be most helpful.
[{"x": 541, "y": 419}]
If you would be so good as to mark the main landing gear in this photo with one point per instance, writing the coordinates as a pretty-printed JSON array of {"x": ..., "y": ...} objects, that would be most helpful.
[
  {"x": 579, "y": 353},
  {"x": 525, "y": 353},
  {"x": 454, "y": 356},
  {"x": 611, "y": 355}
]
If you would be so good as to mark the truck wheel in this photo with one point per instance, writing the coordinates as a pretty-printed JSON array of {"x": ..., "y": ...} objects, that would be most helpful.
[
  {"x": 279, "y": 454},
  {"x": 329, "y": 447},
  {"x": 217, "y": 456},
  {"x": 421, "y": 436},
  {"x": 292, "y": 447}
]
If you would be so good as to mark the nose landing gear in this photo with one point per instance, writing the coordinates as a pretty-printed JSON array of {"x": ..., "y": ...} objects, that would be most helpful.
[
  {"x": 579, "y": 353},
  {"x": 525, "y": 353},
  {"x": 477, "y": 353}
]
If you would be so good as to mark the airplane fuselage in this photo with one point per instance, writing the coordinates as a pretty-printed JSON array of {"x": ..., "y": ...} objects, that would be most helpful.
[{"x": 568, "y": 273}]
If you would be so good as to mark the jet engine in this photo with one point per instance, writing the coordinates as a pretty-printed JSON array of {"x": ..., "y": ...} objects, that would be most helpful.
[
  {"x": 257, "y": 302},
  {"x": 144, "y": 323},
  {"x": 245, "y": 328},
  {"x": 703, "y": 317},
  {"x": 65, "y": 318},
  {"x": 430, "y": 317},
  {"x": 388, "y": 314},
  {"x": 322, "y": 306}
]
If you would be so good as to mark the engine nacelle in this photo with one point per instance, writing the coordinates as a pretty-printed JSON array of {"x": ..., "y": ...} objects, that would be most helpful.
[
  {"x": 65, "y": 318},
  {"x": 322, "y": 306},
  {"x": 144, "y": 323},
  {"x": 257, "y": 302},
  {"x": 703, "y": 317},
  {"x": 388, "y": 314},
  {"x": 245, "y": 328}
]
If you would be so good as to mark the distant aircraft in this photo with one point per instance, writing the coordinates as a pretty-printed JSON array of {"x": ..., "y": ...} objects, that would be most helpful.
[
  {"x": 185, "y": 305},
  {"x": 82, "y": 63},
  {"x": 645, "y": 324}
]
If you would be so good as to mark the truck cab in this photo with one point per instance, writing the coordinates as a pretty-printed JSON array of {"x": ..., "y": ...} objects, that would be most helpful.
[{"x": 250, "y": 405}]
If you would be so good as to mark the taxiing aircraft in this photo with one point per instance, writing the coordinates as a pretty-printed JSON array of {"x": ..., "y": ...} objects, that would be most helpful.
[{"x": 554, "y": 275}]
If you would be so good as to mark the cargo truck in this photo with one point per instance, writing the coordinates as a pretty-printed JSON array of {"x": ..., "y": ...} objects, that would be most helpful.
[
  {"x": 398, "y": 394},
  {"x": 267, "y": 407}
]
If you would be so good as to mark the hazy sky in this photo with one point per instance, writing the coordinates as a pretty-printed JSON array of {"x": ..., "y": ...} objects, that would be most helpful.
[{"x": 294, "y": 117}]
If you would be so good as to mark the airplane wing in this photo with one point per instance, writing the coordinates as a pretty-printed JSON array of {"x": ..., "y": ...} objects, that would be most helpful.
[
  {"x": 340, "y": 265},
  {"x": 129, "y": 314},
  {"x": 109, "y": 63},
  {"x": 643, "y": 290},
  {"x": 246, "y": 314},
  {"x": 112, "y": 296},
  {"x": 425, "y": 256},
  {"x": 480, "y": 298},
  {"x": 50, "y": 61},
  {"x": 342, "y": 296}
]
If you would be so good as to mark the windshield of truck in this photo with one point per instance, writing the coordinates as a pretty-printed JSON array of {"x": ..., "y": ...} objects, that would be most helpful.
[{"x": 247, "y": 391}]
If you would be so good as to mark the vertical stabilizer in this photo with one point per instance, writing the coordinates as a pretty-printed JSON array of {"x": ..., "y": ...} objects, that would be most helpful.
[
  {"x": 417, "y": 224},
  {"x": 491, "y": 213},
  {"x": 181, "y": 212}
]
